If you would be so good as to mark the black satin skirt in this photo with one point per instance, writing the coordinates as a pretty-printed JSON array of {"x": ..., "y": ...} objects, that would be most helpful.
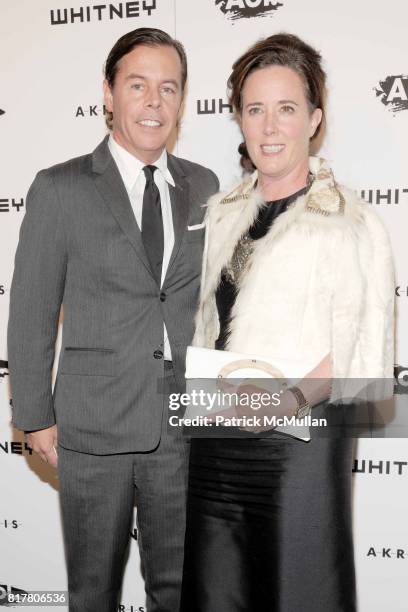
[{"x": 269, "y": 526}]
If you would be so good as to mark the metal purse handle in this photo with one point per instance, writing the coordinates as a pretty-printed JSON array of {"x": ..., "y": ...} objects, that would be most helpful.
[
  {"x": 255, "y": 364},
  {"x": 222, "y": 380}
]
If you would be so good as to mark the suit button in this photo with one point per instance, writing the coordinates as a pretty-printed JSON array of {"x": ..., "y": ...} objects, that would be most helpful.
[
  {"x": 158, "y": 354},
  {"x": 162, "y": 297}
]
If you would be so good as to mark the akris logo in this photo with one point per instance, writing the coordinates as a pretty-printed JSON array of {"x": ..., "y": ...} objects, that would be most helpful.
[
  {"x": 90, "y": 110},
  {"x": 401, "y": 291},
  {"x": 387, "y": 553},
  {"x": 10, "y": 524},
  {"x": 245, "y": 9},
  {"x": 393, "y": 92}
]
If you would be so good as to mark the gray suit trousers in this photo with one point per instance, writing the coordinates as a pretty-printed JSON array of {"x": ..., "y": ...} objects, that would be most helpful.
[{"x": 97, "y": 496}]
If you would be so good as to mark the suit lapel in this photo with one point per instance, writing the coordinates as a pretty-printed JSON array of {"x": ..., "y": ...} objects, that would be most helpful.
[
  {"x": 112, "y": 190},
  {"x": 180, "y": 197}
]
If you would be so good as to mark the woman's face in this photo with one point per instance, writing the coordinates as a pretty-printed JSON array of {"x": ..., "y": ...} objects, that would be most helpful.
[{"x": 276, "y": 122}]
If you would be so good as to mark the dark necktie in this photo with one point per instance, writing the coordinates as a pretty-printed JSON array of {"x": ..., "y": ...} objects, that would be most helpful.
[{"x": 152, "y": 223}]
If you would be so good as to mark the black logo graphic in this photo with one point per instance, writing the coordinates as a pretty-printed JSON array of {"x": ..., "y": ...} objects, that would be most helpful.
[
  {"x": 393, "y": 92},
  {"x": 245, "y": 9},
  {"x": 5, "y": 590},
  {"x": 400, "y": 379},
  {"x": 3, "y": 367},
  {"x": 2, "y": 112},
  {"x": 133, "y": 534},
  {"x": 99, "y": 12}
]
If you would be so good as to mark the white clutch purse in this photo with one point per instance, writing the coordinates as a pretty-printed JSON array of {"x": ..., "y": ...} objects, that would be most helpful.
[{"x": 214, "y": 365}]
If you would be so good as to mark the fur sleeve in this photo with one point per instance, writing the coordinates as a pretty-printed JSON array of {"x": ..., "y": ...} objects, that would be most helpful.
[{"x": 363, "y": 342}]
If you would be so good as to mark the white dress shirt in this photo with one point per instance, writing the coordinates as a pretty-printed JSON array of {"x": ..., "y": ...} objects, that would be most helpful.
[{"x": 131, "y": 171}]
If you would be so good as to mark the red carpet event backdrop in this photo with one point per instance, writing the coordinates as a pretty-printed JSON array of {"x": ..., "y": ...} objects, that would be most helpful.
[{"x": 51, "y": 109}]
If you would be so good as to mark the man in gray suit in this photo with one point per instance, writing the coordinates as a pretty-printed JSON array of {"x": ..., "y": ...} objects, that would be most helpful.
[{"x": 115, "y": 237}]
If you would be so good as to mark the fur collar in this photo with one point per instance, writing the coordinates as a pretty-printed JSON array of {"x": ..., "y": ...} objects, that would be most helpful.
[{"x": 230, "y": 215}]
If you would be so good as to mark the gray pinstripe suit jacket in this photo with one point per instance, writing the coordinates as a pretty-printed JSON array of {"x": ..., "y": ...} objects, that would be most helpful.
[{"x": 80, "y": 246}]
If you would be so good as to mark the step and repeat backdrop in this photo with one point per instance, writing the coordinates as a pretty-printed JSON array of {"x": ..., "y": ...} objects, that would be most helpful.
[{"x": 51, "y": 108}]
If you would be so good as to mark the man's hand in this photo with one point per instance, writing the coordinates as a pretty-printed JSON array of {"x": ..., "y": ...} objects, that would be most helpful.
[{"x": 44, "y": 443}]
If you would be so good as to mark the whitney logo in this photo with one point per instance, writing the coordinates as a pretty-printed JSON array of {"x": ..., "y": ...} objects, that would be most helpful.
[
  {"x": 15, "y": 448},
  {"x": 393, "y": 92},
  {"x": 8, "y": 204},
  {"x": 380, "y": 466},
  {"x": 245, "y": 9},
  {"x": 99, "y": 12},
  {"x": 211, "y": 106},
  {"x": 394, "y": 195}
]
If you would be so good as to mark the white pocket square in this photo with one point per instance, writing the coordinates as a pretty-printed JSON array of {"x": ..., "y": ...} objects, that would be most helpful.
[{"x": 191, "y": 228}]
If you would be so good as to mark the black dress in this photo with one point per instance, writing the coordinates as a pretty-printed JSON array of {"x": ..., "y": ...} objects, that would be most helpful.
[{"x": 268, "y": 520}]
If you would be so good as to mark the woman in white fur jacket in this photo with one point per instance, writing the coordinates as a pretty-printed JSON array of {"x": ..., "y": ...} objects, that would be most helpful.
[{"x": 296, "y": 266}]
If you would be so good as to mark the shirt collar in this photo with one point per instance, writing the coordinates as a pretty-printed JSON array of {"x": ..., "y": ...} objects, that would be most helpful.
[{"x": 130, "y": 166}]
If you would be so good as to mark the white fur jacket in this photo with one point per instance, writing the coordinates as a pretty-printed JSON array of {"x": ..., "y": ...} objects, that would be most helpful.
[{"x": 320, "y": 281}]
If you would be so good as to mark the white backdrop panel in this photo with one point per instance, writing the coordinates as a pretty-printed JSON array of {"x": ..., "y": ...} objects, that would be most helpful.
[{"x": 52, "y": 98}]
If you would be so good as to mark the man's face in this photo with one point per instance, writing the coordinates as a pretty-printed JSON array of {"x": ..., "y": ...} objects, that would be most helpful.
[{"x": 145, "y": 100}]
